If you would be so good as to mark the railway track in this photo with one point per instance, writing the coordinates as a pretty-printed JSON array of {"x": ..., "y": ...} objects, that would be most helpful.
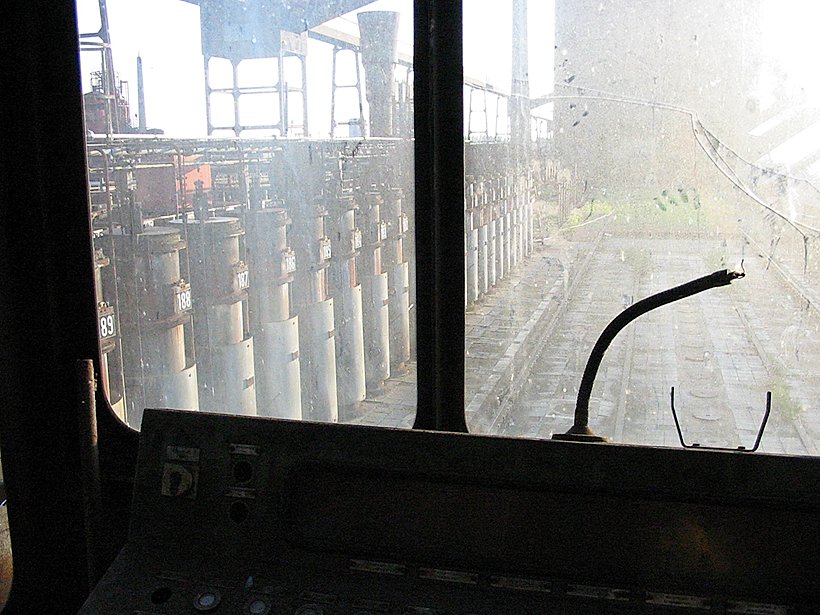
[
  {"x": 721, "y": 350},
  {"x": 528, "y": 342}
]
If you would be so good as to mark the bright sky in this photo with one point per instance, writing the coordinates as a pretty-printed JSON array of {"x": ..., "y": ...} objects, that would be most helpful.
[
  {"x": 166, "y": 34},
  {"x": 789, "y": 73},
  {"x": 790, "y": 38}
]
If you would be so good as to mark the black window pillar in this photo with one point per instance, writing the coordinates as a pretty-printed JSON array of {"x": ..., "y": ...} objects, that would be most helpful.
[{"x": 439, "y": 154}]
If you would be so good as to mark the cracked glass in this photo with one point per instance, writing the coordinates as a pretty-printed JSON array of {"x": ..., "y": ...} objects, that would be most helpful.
[{"x": 615, "y": 150}]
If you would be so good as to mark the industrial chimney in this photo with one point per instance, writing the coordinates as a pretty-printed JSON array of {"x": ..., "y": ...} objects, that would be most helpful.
[{"x": 378, "y": 32}]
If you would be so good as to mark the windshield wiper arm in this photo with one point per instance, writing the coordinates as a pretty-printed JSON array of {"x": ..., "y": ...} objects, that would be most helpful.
[{"x": 580, "y": 431}]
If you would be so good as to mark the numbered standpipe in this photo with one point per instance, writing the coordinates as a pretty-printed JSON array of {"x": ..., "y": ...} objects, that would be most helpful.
[
  {"x": 272, "y": 265},
  {"x": 155, "y": 322},
  {"x": 483, "y": 234},
  {"x": 471, "y": 243},
  {"x": 346, "y": 242},
  {"x": 529, "y": 226},
  {"x": 374, "y": 294},
  {"x": 492, "y": 233},
  {"x": 315, "y": 308},
  {"x": 224, "y": 346},
  {"x": 108, "y": 330},
  {"x": 508, "y": 238},
  {"x": 492, "y": 256},
  {"x": 515, "y": 217},
  {"x": 398, "y": 280},
  {"x": 522, "y": 201},
  {"x": 501, "y": 231},
  {"x": 409, "y": 254},
  {"x": 526, "y": 206}
]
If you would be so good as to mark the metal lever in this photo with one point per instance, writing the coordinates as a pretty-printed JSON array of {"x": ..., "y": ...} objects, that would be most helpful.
[{"x": 742, "y": 449}]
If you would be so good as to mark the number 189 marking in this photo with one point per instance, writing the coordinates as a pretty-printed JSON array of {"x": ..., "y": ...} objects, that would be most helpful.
[{"x": 107, "y": 326}]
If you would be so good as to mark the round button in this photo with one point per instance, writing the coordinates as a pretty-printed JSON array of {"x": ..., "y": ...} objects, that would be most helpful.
[
  {"x": 257, "y": 606},
  {"x": 207, "y": 600}
]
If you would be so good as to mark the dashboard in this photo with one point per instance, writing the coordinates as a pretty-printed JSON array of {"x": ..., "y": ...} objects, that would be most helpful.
[{"x": 255, "y": 516}]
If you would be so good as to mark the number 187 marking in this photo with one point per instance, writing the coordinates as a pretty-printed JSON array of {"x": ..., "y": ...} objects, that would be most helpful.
[{"x": 243, "y": 279}]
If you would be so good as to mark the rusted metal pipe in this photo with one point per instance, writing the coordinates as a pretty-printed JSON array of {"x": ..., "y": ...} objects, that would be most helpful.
[{"x": 89, "y": 463}]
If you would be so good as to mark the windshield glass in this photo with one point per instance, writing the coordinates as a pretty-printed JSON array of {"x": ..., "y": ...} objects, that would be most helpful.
[
  {"x": 251, "y": 192},
  {"x": 618, "y": 149}
]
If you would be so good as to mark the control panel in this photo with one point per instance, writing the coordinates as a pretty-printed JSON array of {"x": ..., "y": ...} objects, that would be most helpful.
[{"x": 241, "y": 515}]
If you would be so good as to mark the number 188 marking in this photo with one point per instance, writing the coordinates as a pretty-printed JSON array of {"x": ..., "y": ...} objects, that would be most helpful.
[{"x": 183, "y": 300}]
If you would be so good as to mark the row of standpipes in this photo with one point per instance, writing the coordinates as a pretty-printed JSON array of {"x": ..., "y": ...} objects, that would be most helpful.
[{"x": 278, "y": 312}]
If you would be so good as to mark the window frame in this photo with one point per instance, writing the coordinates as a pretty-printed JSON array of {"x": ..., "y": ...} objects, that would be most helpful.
[
  {"x": 439, "y": 168},
  {"x": 43, "y": 152},
  {"x": 49, "y": 309}
]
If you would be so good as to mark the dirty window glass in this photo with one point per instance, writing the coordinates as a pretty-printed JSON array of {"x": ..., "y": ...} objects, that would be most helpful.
[
  {"x": 618, "y": 149},
  {"x": 251, "y": 190}
]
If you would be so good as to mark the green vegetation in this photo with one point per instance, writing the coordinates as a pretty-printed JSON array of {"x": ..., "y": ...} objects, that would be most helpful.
[
  {"x": 589, "y": 211},
  {"x": 670, "y": 211}
]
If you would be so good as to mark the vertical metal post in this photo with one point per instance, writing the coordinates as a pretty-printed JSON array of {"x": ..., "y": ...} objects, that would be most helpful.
[
  {"x": 208, "y": 123},
  {"x": 305, "y": 131},
  {"x": 363, "y": 124},
  {"x": 492, "y": 230},
  {"x": 439, "y": 160},
  {"x": 333, "y": 94},
  {"x": 108, "y": 77},
  {"x": 237, "y": 126},
  {"x": 471, "y": 227},
  {"x": 483, "y": 234},
  {"x": 520, "y": 87},
  {"x": 282, "y": 90},
  {"x": 141, "y": 96},
  {"x": 89, "y": 462}
]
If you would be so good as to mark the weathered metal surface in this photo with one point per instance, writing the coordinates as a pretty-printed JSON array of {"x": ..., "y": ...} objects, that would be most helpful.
[
  {"x": 291, "y": 15},
  {"x": 6, "y": 561},
  {"x": 340, "y": 514}
]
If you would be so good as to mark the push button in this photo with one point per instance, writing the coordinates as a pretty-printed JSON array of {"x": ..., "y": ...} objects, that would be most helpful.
[
  {"x": 207, "y": 600},
  {"x": 257, "y": 606}
]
